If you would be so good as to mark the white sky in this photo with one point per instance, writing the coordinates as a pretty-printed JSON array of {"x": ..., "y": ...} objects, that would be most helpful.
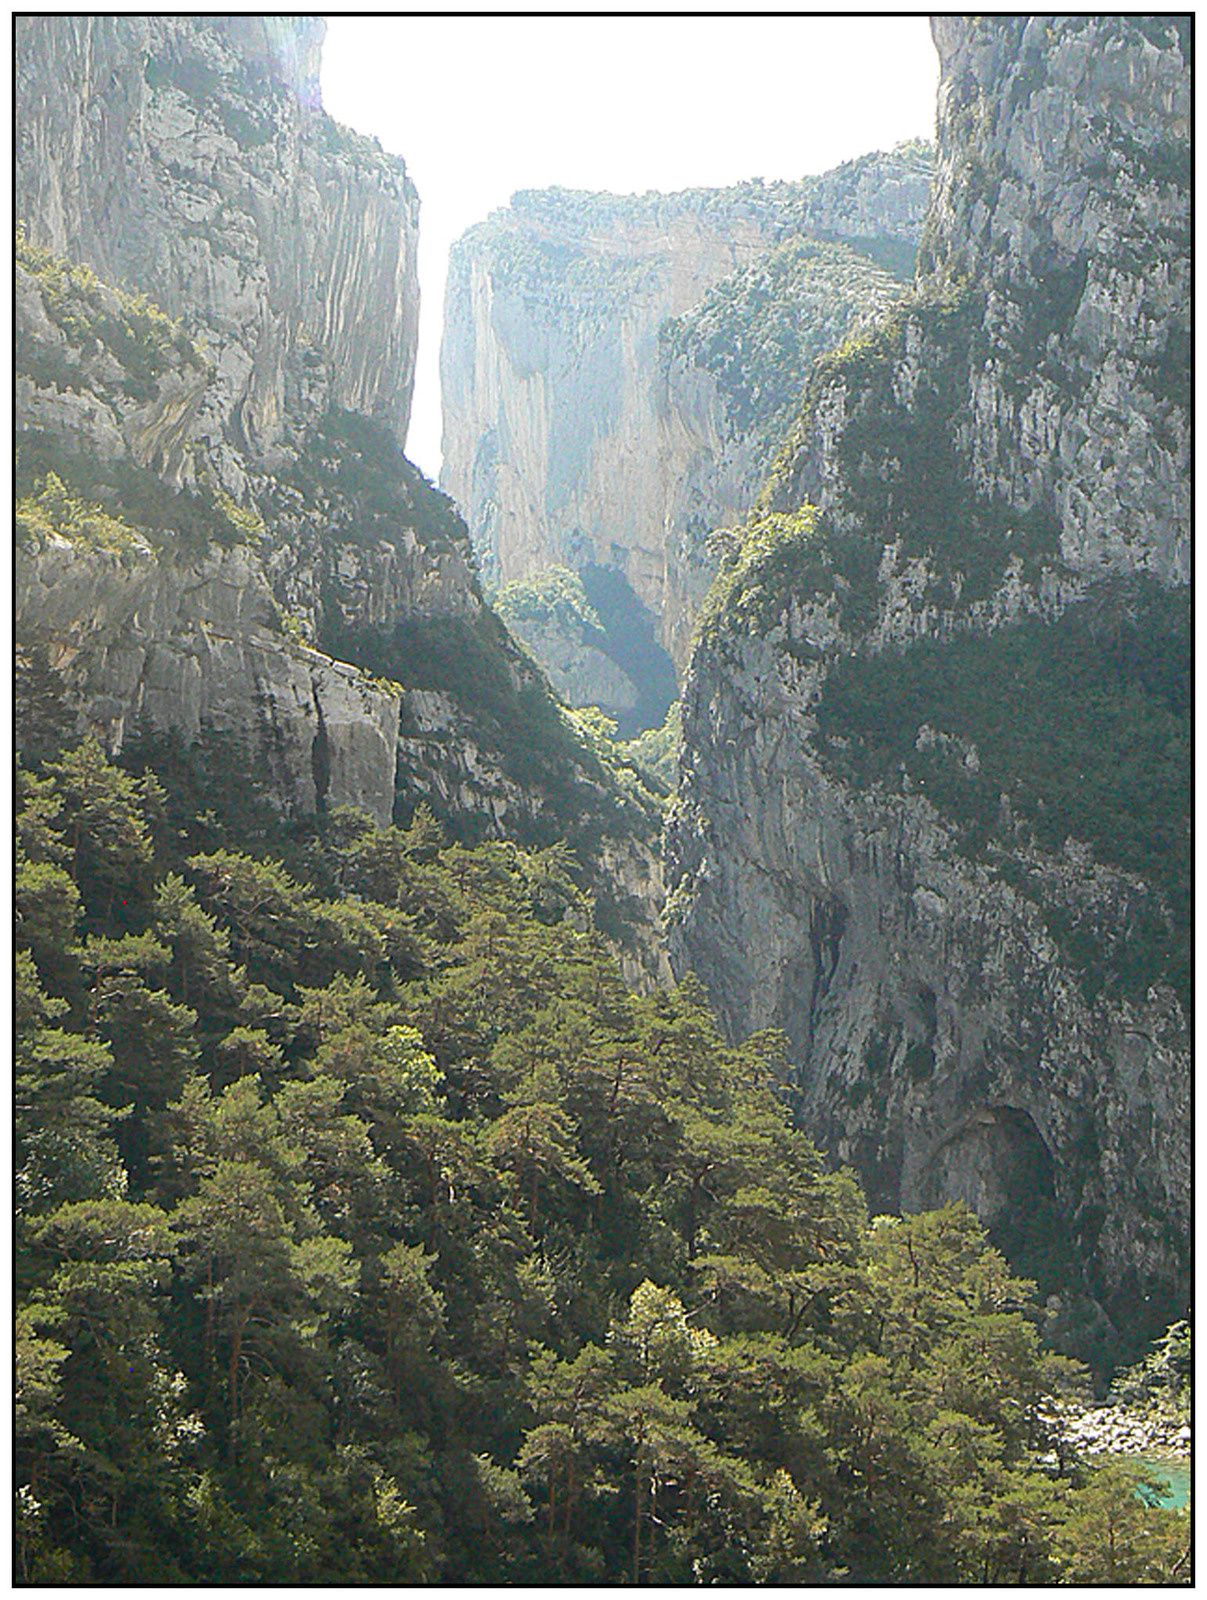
[{"x": 480, "y": 107}]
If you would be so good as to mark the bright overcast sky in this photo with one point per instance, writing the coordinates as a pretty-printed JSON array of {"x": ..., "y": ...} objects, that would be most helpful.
[{"x": 481, "y": 107}]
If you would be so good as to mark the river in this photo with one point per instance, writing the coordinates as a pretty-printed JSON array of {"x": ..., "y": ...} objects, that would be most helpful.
[{"x": 1175, "y": 1475}]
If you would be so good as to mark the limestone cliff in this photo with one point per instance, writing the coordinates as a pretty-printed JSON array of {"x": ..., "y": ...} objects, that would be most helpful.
[
  {"x": 934, "y": 814},
  {"x": 594, "y": 641},
  {"x": 571, "y": 429},
  {"x": 218, "y": 531},
  {"x": 730, "y": 380},
  {"x": 553, "y": 617},
  {"x": 189, "y": 158}
]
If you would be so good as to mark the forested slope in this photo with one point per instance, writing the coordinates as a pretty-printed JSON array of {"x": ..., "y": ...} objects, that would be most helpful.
[{"x": 369, "y": 1229}]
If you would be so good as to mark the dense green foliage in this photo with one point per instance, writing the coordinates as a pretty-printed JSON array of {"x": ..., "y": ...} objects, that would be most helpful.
[
  {"x": 587, "y": 790},
  {"x": 50, "y": 510},
  {"x": 900, "y": 481},
  {"x": 1160, "y": 1384},
  {"x": 369, "y": 1230},
  {"x": 656, "y": 751},
  {"x": 791, "y": 554},
  {"x": 1084, "y": 726},
  {"x": 898, "y": 468},
  {"x": 552, "y": 598}
]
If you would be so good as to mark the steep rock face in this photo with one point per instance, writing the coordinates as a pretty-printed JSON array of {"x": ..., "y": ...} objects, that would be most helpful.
[
  {"x": 551, "y": 343},
  {"x": 330, "y": 629},
  {"x": 146, "y": 589},
  {"x": 731, "y": 374},
  {"x": 582, "y": 673},
  {"x": 218, "y": 531},
  {"x": 564, "y": 441},
  {"x": 595, "y": 641},
  {"x": 195, "y": 646},
  {"x": 934, "y": 812},
  {"x": 1061, "y": 199},
  {"x": 552, "y": 616},
  {"x": 188, "y": 157}
]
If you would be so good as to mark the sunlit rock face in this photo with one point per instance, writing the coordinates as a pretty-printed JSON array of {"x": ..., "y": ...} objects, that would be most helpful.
[
  {"x": 189, "y": 158},
  {"x": 1061, "y": 195},
  {"x": 934, "y": 796},
  {"x": 265, "y": 567},
  {"x": 197, "y": 647},
  {"x": 583, "y": 426}
]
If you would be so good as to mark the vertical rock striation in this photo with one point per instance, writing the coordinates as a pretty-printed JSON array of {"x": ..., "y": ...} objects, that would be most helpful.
[
  {"x": 189, "y": 158},
  {"x": 218, "y": 533},
  {"x": 934, "y": 798},
  {"x": 249, "y": 267},
  {"x": 570, "y": 427}
]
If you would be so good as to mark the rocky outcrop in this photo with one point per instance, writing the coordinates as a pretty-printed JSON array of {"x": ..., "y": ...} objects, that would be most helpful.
[
  {"x": 548, "y": 363},
  {"x": 164, "y": 617},
  {"x": 582, "y": 673},
  {"x": 1117, "y": 1431},
  {"x": 193, "y": 646},
  {"x": 218, "y": 531},
  {"x": 569, "y": 440},
  {"x": 595, "y": 641},
  {"x": 1061, "y": 199},
  {"x": 552, "y": 616},
  {"x": 189, "y": 158},
  {"x": 732, "y": 370},
  {"x": 934, "y": 796}
]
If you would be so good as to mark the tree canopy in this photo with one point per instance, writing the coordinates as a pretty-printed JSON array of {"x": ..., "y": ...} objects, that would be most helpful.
[{"x": 370, "y": 1230}]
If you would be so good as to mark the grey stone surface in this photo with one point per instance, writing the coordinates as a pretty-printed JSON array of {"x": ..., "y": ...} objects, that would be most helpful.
[
  {"x": 188, "y": 159},
  {"x": 945, "y": 1045},
  {"x": 566, "y": 441}
]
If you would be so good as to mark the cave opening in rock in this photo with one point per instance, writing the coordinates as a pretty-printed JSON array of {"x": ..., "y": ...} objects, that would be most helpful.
[{"x": 999, "y": 1164}]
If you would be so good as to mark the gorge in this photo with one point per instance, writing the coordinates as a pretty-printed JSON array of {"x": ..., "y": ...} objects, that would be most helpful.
[
  {"x": 970, "y": 918},
  {"x": 618, "y": 372},
  {"x": 618, "y": 1018}
]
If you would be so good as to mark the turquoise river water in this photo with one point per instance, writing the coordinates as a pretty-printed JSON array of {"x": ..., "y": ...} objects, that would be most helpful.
[{"x": 1175, "y": 1475}]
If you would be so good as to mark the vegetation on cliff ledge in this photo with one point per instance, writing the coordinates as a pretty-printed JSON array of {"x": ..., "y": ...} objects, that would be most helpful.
[
  {"x": 95, "y": 318},
  {"x": 1081, "y": 728},
  {"x": 117, "y": 505},
  {"x": 553, "y": 598},
  {"x": 759, "y": 330}
]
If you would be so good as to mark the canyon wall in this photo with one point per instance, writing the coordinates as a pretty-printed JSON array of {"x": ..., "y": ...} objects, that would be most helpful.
[
  {"x": 219, "y": 537},
  {"x": 934, "y": 794},
  {"x": 583, "y": 431},
  {"x": 189, "y": 157}
]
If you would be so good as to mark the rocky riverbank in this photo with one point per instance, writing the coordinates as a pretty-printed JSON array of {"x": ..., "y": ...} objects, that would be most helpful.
[{"x": 1119, "y": 1430}]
